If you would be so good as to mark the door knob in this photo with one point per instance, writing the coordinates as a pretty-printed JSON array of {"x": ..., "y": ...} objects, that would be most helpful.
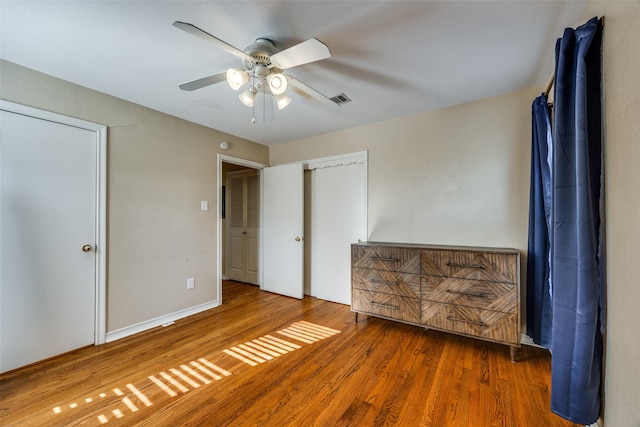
[
  {"x": 298, "y": 238},
  {"x": 86, "y": 248}
]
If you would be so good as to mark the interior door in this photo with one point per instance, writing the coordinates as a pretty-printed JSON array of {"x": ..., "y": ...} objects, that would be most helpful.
[
  {"x": 47, "y": 235},
  {"x": 338, "y": 219},
  {"x": 236, "y": 215},
  {"x": 282, "y": 229},
  {"x": 244, "y": 225},
  {"x": 252, "y": 227}
]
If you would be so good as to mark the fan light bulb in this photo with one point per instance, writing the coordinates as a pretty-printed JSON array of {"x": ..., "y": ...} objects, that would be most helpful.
[
  {"x": 277, "y": 83},
  {"x": 282, "y": 101},
  {"x": 236, "y": 78},
  {"x": 246, "y": 97}
]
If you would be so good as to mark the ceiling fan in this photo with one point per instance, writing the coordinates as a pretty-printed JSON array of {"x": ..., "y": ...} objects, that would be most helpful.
[{"x": 262, "y": 72}]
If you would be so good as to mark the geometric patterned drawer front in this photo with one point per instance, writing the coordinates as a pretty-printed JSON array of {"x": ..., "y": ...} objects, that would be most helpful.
[
  {"x": 486, "y": 324},
  {"x": 385, "y": 258},
  {"x": 461, "y": 289},
  {"x": 388, "y": 282},
  {"x": 471, "y": 293},
  {"x": 386, "y": 305},
  {"x": 477, "y": 265}
]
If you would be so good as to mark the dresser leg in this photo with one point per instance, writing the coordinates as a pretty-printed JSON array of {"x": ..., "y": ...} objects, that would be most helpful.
[
  {"x": 514, "y": 354},
  {"x": 354, "y": 312}
]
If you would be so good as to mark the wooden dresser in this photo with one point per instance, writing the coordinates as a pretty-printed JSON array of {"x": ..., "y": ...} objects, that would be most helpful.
[{"x": 464, "y": 290}]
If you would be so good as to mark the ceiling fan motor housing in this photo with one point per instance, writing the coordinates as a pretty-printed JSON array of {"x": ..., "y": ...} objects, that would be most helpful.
[{"x": 261, "y": 51}]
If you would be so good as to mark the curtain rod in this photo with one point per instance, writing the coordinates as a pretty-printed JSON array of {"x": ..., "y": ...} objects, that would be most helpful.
[
  {"x": 549, "y": 85},
  {"x": 552, "y": 79}
]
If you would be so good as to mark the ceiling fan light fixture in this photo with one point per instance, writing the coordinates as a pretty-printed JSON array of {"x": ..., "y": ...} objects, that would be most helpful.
[
  {"x": 247, "y": 97},
  {"x": 260, "y": 77},
  {"x": 237, "y": 78},
  {"x": 277, "y": 83},
  {"x": 282, "y": 101}
]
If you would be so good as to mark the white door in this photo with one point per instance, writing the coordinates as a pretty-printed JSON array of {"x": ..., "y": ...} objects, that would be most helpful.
[
  {"x": 338, "y": 219},
  {"x": 252, "y": 227},
  {"x": 235, "y": 218},
  {"x": 47, "y": 214},
  {"x": 244, "y": 225},
  {"x": 282, "y": 229}
]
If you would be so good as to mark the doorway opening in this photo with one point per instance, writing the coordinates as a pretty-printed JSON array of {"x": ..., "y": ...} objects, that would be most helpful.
[
  {"x": 240, "y": 223},
  {"x": 237, "y": 252},
  {"x": 334, "y": 216}
]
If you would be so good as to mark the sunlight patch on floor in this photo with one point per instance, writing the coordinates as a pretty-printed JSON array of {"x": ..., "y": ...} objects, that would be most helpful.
[{"x": 197, "y": 373}]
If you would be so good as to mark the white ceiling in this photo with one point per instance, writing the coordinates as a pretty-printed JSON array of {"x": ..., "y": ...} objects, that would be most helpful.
[{"x": 392, "y": 58}]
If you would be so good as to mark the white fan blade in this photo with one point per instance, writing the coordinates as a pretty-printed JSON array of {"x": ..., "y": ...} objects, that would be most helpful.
[
  {"x": 195, "y": 31},
  {"x": 302, "y": 53},
  {"x": 205, "y": 81},
  {"x": 311, "y": 94}
]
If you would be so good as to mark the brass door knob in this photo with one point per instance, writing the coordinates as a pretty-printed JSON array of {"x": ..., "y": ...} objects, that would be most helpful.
[
  {"x": 87, "y": 248},
  {"x": 298, "y": 239}
]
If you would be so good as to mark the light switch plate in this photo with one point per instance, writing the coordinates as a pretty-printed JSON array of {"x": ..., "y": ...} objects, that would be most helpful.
[{"x": 204, "y": 205}]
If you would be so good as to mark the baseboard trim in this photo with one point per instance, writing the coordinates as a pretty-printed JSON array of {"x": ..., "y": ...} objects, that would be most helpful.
[
  {"x": 159, "y": 321},
  {"x": 599, "y": 423}
]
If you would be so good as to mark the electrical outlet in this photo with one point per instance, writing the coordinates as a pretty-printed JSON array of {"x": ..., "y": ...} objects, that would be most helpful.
[{"x": 191, "y": 283}]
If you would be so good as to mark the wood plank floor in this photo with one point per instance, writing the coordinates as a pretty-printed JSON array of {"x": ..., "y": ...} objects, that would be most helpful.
[{"x": 265, "y": 360}]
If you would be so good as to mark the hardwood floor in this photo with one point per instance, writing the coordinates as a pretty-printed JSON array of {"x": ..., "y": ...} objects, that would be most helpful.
[{"x": 330, "y": 371}]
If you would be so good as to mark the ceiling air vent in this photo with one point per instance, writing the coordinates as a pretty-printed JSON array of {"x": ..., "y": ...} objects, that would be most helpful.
[{"x": 340, "y": 99}]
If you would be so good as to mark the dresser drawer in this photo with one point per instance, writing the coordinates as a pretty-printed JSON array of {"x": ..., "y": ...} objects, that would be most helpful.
[
  {"x": 471, "y": 293},
  {"x": 388, "y": 282},
  {"x": 486, "y": 324},
  {"x": 386, "y": 305},
  {"x": 477, "y": 265},
  {"x": 386, "y": 258}
]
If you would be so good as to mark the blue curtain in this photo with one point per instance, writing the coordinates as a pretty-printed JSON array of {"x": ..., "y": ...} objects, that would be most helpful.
[
  {"x": 538, "y": 289},
  {"x": 576, "y": 238}
]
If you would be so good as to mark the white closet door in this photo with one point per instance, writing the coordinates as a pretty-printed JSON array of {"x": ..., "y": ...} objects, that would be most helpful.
[
  {"x": 282, "y": 228},
  {"x": 338, "y": 219},
  {"x": 244, "y": 225},
  {"x": 47, "y": 214},
  {"x": 252, "y": 237},
  {"x": 235, "y": 184}
]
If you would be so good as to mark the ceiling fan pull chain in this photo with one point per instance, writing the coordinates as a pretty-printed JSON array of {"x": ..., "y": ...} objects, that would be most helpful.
[
  {"x": 253, "y": 106},
  {"x": 264, "y": 106},
  {"x": 253, "y": 113}
]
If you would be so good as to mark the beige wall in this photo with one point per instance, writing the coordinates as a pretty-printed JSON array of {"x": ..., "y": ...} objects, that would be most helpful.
[
  {"x": 159, "y": 169},
  {"x": 457, "y": 176},
  {"x": 621, "y": 52}
]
